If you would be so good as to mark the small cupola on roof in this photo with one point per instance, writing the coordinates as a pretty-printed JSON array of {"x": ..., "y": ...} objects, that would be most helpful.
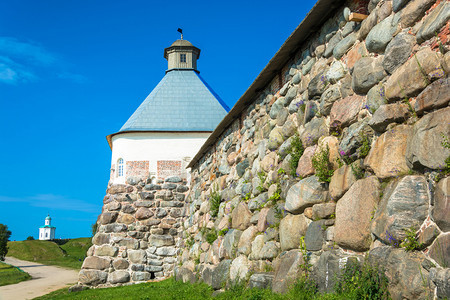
[{"x": 182, "y": 55}]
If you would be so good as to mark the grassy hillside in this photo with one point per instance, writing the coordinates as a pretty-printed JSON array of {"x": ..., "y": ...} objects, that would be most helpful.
[
  {"x": 69, "y": 255},
  {"x": 10, "y": 274}
]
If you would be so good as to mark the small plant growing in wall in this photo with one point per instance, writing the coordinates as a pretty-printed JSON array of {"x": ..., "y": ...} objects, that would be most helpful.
[
  {"x": 422, "y": 71},
  {"x": 197, "y": 260},
  {"x": 302, "y": 106},
  {"x": 296, "y": 152},
  {"x": 446, "y": 144},
  {"x": 276, "y": 195},
  {"x": 365, "y": 147},
  {"x": 189, "y": 242},
  {"x": 281, "y": 171},
  {"x": 357, "y": 171},
  {"x": 268, "y": 268},
  {"x": 262, "y": 178},
  {"x": 223, "y": 231},
  {"x": 410, "y": 242},
  {"x": 278, "y": 213},
  {"x": 392, "y": 241},
  {"x": 215, "y": 200},
  {"x": 410, "y": 108},
  {"x": 439, "y": 42},
  {"x": 322, "y": 165},
  {"x": 305, "y": 266},
  {"x": 211, "y": 236}
]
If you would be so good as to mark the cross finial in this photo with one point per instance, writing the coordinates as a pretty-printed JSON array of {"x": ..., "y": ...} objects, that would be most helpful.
[{"x": 181, "y": 32}]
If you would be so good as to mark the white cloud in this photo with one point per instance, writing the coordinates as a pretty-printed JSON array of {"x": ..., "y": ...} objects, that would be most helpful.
[
  {"x": 12, "y": 72},
  {"x": 23, "y": 61},
  {"x": 7, "y": 74},
  {"x": 26, "y": 51},
  {"x": 52, "y": 201}
]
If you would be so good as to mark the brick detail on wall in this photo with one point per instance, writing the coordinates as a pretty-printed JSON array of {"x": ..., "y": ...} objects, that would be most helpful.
[
  {"x": 166, "y": 168},
  {"x": 283, "y": 76},
  {"x": 359, "y": 6},
  {"x": 138, "y": 168},
  {"x": 275, "y": 85}
]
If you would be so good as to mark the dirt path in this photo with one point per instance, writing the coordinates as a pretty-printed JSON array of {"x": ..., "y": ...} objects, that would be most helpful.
[{"x": 45, "y": 279}]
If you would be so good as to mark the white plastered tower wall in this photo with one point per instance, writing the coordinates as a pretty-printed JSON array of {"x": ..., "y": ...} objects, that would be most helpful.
[{"x": 152, "y": 147}]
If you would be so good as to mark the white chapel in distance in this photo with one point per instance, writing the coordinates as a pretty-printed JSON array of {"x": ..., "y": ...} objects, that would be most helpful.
[{"x": 47, "y": 232}]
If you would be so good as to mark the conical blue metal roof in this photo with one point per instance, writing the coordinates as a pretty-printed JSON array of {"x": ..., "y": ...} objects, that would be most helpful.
[{"x": 182, "y": 101}]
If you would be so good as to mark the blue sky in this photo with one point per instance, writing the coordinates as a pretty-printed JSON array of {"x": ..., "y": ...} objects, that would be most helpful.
[{"x": 72, "y": 72}]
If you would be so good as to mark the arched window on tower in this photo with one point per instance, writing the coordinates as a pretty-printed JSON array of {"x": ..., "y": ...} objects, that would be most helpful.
[{"x": 120, "y": 167}]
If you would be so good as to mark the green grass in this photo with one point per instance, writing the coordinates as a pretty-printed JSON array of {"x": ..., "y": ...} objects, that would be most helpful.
[
  {"x": 10, "y": 274},
  {"x": 171, "y": 289},
  {"x": 69, "y": 255},
  {"x": 167, "y": 289},
  {"x": 351, "y": 288}
]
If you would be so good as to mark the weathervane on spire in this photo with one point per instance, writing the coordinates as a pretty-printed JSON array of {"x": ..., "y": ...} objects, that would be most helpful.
[{"x": 180, "y": 31}]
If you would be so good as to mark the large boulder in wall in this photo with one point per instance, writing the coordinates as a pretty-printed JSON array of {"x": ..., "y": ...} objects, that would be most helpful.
[
  {"x": 404, "y": 205},
  {"x": 404, "y": 270},
  {"x": 354, "y": 213},
  {"x": 424, "y": 149}
]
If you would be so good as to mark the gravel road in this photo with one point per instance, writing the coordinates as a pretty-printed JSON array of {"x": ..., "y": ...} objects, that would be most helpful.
[{"x": 45, "y": 279}]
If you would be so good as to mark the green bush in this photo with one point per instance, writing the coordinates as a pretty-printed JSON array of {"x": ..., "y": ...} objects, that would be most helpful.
[
  {"x": 322, "y": 165},
  {"x": 4, "y": 238}
]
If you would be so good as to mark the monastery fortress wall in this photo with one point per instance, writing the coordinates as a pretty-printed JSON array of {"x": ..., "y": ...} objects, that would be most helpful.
[{"x": 369, "y": 103}]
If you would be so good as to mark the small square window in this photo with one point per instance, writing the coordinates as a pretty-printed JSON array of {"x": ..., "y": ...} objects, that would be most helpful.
[{"x": 183, "y": 58}]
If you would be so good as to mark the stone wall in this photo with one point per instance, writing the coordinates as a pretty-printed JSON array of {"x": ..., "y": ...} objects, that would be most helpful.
[
  {"x": 369, "y": 103},
  {"x": 138, "y": 233}
]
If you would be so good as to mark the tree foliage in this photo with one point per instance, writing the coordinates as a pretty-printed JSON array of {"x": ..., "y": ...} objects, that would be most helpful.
[{"x": 4, "y": 237}]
